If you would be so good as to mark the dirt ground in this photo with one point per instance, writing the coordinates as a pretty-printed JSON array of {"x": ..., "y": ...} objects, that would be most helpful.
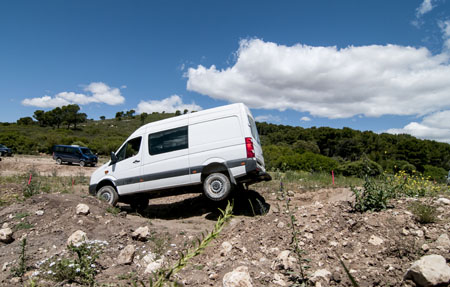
[{"x": 377, "y": 248}]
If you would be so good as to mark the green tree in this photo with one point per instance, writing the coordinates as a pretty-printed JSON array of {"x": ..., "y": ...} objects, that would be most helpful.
[
  {"x": 119, "y": 116},
  {"x": 39, "y": 116},
  {"x": 25, "y": 121},
  {"x": 102, "y": 118}
]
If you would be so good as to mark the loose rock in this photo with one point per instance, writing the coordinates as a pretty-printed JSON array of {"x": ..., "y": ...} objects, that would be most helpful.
[
  {"x": 82, "y": 209},
  {"x": 126, "y": 255},
  {"x": 444, "y": 201},
  {"x": 284, "y": 261},
  {"x": 375, "y": 240},
  {"x": 6, "y": 235},
  {"x": 239, "y": 277},
  {"x": 141, "y": 233},
  {"x": 226, "y": 248},
  {"x": 154, "y": 266},
  {"x": 443, "y": 242},
  {"x": 77, "y": 237},
  {"x": 430, "y": 270}
]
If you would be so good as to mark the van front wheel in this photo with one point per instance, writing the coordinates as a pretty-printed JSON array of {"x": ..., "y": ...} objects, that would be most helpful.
[
  {"x": 109, "y": 194},
  {"x": 217, "y": 186}
]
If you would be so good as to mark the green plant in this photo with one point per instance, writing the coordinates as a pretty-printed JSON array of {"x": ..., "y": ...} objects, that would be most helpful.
[
  {"x": 31, "y": 189},
  {"x": 423, "y": 212},
  {"x": 82, "y": 268},
  {"x": 21, "y": 268},
  {"x": 163, "y": 276},
  {"x": 301, "y": 280},
  {"x": 113, "y": 210},
  {"x": 373, "y": 196},
  {"x": 23, "y": 225},
  {"x": 21, "y": 215}
]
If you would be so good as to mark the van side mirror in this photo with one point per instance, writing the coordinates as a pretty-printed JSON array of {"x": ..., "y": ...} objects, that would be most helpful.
[{"x": 113, "y": 158}]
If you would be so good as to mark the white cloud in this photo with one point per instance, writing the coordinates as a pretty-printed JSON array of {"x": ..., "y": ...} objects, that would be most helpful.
[
  {"x": 445, "y": 28},
  {"x": 268, "y": 118},
  {"x": 305, "y": 119},
  {"x": 424, "y": 8},
  {"x": 329, "y": 82},
  {"x": 168, "y": 105},
  {"x": 435, "y": 127},
  {"x": 99, "y": 93}
]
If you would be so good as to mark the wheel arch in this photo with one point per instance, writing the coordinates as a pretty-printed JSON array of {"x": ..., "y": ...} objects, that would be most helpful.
[{"x": 214, "y": 167}]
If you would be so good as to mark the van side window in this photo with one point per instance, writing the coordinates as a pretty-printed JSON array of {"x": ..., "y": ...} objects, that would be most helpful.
[
  {"x": 168, "y": 140},
  {"x": 131, "y": 148}
]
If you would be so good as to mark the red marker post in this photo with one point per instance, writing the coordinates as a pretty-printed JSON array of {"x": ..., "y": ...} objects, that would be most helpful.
[
  {"x": 29, "y": 181},
  {"x": 332, "y": 176}
]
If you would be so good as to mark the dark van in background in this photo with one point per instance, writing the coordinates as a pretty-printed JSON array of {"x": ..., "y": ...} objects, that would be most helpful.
[{"x": 74, "y": 154}]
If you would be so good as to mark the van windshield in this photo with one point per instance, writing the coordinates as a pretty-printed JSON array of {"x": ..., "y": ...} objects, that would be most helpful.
[
  {"x": 253, "y": 128},
  {"x": 85, "y": 150}
]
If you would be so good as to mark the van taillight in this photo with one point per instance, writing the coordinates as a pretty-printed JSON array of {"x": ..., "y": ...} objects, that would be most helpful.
[{"x": 249, "y": 147}]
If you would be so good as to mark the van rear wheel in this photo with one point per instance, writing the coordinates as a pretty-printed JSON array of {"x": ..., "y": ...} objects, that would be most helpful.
[
  {"x": 109, "y": 194},
  {"x": 58, "y": 161},
  {"x": 82, "y": 163},
  {"x": 217, "y": 186}
]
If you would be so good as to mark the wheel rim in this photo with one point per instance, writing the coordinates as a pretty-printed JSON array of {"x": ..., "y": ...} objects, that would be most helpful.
[
  {"x": 217, "y": 186},
  {"x": 81, "y": 163},
  {"x": 106, "y": 196},
  {"x": 58, "y": 161}
]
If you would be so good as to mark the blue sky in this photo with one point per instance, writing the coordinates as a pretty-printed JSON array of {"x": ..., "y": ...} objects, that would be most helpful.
[{"x": 369, "y": 65}]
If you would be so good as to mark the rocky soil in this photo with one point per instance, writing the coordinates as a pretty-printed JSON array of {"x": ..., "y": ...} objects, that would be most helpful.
[{"x": 377, "y": 248}]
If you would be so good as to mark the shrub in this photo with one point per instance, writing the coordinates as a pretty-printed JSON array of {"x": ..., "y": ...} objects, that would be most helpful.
[
  {"x": 360, "y": 168},
  {"x": 372, "y": 197},
  {"x": 424, "y": 213},
  {"x": 438, "y": 174}
]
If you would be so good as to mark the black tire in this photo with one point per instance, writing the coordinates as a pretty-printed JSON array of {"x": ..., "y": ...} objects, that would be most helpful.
[
  {"x": 82, "y": 163},
  {"x": 109, "y": 194},
  {"x": 59, "y": 161},
  {"x": 217, "y": 186}
]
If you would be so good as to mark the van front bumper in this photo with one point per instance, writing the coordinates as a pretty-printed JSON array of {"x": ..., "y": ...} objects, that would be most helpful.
[{"x": 93, "y": 189}]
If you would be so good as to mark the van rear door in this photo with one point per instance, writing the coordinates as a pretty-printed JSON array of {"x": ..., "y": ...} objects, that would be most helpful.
[{"x": 256, "y": 141}]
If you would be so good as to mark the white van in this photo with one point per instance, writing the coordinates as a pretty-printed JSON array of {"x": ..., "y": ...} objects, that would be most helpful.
[{"x": 218, "y": 148}]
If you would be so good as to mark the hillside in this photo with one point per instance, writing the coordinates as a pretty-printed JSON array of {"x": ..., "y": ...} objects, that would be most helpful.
[{"x": 322, "y": 149}]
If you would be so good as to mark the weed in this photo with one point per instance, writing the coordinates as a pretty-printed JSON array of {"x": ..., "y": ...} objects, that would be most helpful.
[
  {"x": 349, "y": 275},
  {"x": 372, "y": 197},
  {"x": 81, "y": 269},
  {"x": 23, "y": 225},
  {"x": 301, "y": 280},
  {"x": 21, "y": 215},
  {"x": 113, "y": 210},
  {"x": 423, "y": 212},
  {"x": 160, "y": 242},
  {"x": 21, "y": 268},
  {"x": 31, "y": 189},
  {"x": 128, "y": 276}
]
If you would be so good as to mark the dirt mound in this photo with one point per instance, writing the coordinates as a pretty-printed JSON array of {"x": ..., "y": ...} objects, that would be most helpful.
[{"x": 377, "y": 247}]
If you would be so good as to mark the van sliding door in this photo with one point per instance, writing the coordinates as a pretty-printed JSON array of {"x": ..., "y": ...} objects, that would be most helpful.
[{"x": 165, "y": 162}]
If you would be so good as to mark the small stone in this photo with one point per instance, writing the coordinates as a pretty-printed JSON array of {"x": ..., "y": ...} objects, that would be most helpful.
[
  {"x": 226, "y": 248},
  {"x": 284, "y": 261},
  {"x": 39, "y": 212},
  {"x": 278, "y": 279},
  {"x": 290, "y": 193},
  {"x": 239, "y": 277},
  {"x": 405, "y": 231},
  {"x": 141, "y": 233},
  {"x": 321, "y": 275},
  {"x": 82, "y": 209},
  {"x": 77, "y": 237},
  {"x": 430, "y": 270},
  {"x": 375, "y": 240},
  {"x": 280, "y": 224},
  {"x": 6, "y": 235},
  {"x": 333, "y": 243},
  {"x": 443, "y": 200},
  {"x": 425, "y": 247},
  {"x": 213, "y": 276},
  {"x": 126, "y": 255},
  {"x": 15, "y": 280},
  {"x": 5, "y": 265},
  {"x": 149, "y": 258},
  {"x": 443, "y": 242},
  {"x": 154, "y": 266},
  {"x": 5, "y": 225}
]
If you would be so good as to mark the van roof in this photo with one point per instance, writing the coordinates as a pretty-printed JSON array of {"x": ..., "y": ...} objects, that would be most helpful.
[{"x": 236, "y": 106}]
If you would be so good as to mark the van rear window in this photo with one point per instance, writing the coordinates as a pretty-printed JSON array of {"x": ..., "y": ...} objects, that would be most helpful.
[
  {"x": 168, "y": 140},
  {"x": 253, "y": 128}
]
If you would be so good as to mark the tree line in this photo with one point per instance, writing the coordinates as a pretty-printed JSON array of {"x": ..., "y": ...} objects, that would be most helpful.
[{"x": 68, "y": 115}]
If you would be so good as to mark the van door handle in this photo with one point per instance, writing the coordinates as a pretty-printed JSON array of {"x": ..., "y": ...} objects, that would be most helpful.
[{"x": 136, "y": 161}]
